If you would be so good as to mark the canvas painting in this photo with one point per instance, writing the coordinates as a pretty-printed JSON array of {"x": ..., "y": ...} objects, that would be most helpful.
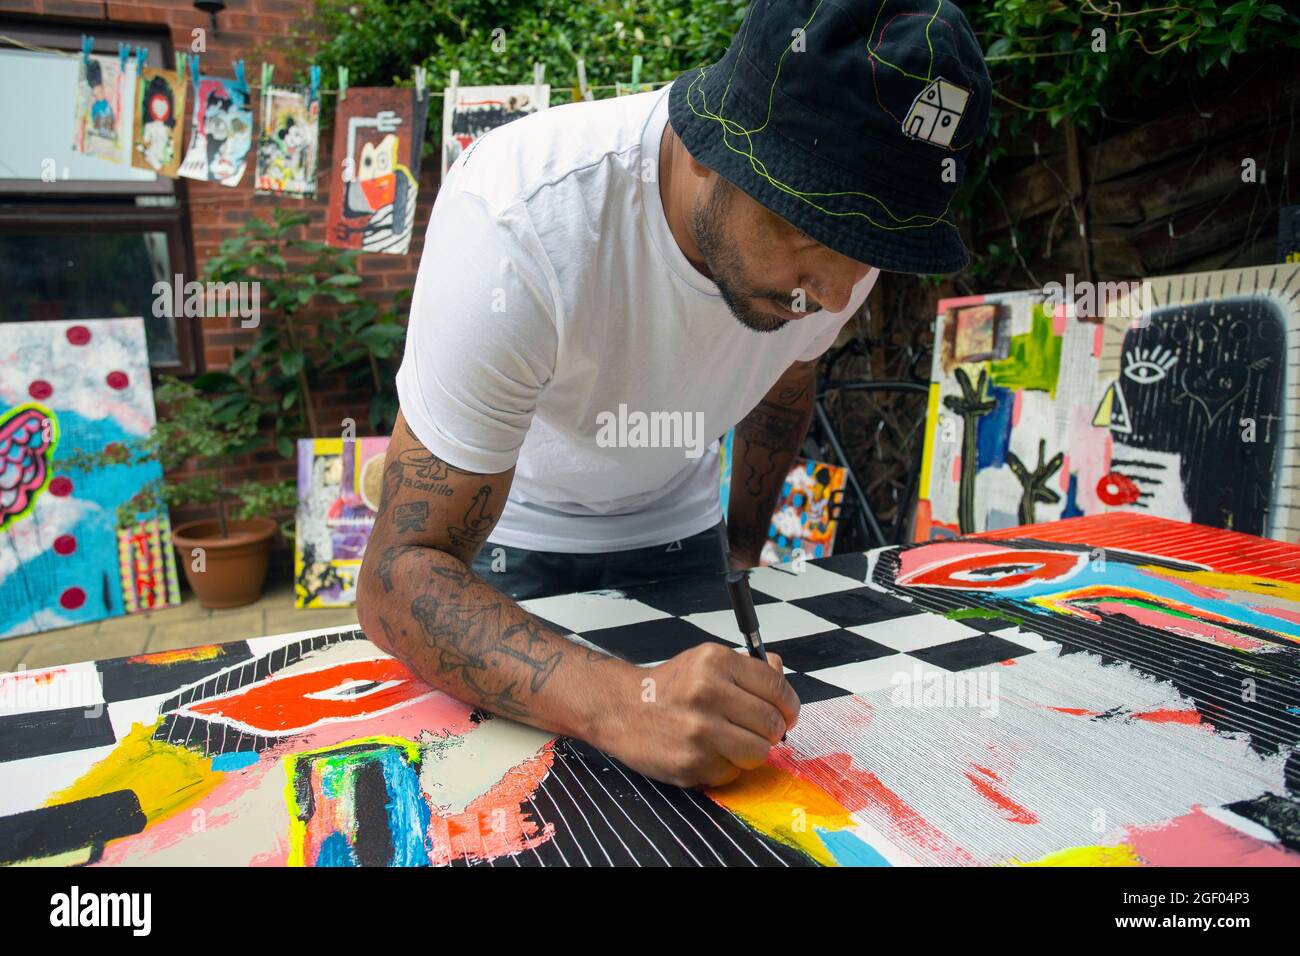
[
  {"x": 477, "y": 110},
  {"x": 287, "y": 147},
  {"x": 339, "y": 484},
  {"x": 378, "y": 135},
  {"x": 221, "y": 131},
  {"x": 65, "y": 388},
  {"x": 105, "y": 107},
  {"x": 807, "y": 513},
  {"x": 1172, "y": 397},
  {"x": 1060, "y": 695},
  {"x": 156, "y": 142}
]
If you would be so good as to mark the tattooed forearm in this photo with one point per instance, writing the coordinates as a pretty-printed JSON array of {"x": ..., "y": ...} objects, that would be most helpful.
[
  {"x": 478, "y": 522},
  {"x": 765, "y": 445}
]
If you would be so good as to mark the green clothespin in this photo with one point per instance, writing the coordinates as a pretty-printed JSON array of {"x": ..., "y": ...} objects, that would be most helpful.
[
  {"x": 636, "y": 73},
  {"x": 268, "y": 71},
  {"x": 343, "y": 83},
  {"x": 182, "y": 60}
]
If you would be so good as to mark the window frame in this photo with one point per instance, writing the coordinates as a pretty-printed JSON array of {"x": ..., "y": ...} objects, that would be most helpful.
[{"x": 33, "y": 206}]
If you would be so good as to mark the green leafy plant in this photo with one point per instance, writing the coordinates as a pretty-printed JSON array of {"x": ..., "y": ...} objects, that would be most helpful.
[
  {"x": 278, "y": 372},
  {"x": 191, "y": 429}
]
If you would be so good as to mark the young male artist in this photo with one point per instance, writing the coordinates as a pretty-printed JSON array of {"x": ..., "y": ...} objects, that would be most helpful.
[{"x": 694, "y": 251}]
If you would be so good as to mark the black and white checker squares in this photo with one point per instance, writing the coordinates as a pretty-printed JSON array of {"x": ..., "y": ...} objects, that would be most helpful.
[{"x": 835, "y": 635}]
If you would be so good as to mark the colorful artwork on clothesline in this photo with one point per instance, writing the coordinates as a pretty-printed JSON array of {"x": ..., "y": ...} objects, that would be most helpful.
[
  {"x": 339, "y": 484},
  {"x": 470, "y": 112},
  {"x": 65, "y": 388},
  {"x": 1175, "y": 397},
  {"x": 807, "y": 513},
  {"x": 221, "y": 130},
  {"x": 105, "y": 107},
  {"x": 287, "y": 148},
  {"x": 378, "y": 134},
  {"x": 159, "y": 115},
  {"x": 1065, "y": 694}
]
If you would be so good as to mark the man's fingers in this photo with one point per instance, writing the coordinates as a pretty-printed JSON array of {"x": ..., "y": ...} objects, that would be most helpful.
[
  {"x": 753, "y": 714},
  {"x": 767, "y": 682},
  {"x": 740, "y": 747}
]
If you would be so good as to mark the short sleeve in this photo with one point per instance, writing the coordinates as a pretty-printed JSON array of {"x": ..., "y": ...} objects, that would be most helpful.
[
  {"x": 481, "y": 339},
  {"x": 826, "y": 338}
]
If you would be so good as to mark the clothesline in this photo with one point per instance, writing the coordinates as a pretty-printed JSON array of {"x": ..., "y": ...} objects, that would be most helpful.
[{"x": 330, "y": 91}]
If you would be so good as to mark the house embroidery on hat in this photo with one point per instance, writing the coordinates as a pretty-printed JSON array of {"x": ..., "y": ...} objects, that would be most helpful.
[{"x": 935, "y": 112}]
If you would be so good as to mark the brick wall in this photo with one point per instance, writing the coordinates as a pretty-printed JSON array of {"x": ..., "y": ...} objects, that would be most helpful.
[{"x": 256, "y": 31}]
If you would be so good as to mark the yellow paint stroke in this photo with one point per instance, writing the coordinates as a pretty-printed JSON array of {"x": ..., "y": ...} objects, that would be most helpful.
[
  {"x": 297, "y": 818},
  {"x": 164, "y": 777},
  {"x": 1121, "y": 855},
  {"x": 1252, "y": 583},
  {"x": 786, "y": 808},
  {"x": 927, "y": 455},
  {"x": 205, "y": 653},
  {"x": 76, "y": 857}
]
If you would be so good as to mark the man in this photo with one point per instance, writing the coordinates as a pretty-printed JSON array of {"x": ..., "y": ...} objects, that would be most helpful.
[{"x": 687, "y": 254}]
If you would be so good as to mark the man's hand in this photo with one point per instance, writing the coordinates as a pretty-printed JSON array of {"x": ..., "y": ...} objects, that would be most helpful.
[{"x": 701, "y": 718}]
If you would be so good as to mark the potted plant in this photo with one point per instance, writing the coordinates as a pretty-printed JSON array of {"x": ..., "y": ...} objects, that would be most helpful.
[{"x": 225, "y": 555}]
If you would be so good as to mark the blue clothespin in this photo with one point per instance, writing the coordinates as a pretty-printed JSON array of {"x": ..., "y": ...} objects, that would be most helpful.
[
  {"x": 141, "y": 58},
  {"x": 315, "y": 82},
  {"x": 123, "y": 52},
  {"x": 195, "y": 75},
  {"x": 239, "y": 76},
  {"x": 87, "y": 42}
]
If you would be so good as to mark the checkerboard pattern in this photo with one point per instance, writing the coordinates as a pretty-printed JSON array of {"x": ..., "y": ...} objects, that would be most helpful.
[{"x": 836, "y": 636}]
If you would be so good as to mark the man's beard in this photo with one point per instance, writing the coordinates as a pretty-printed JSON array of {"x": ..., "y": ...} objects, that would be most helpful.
[{"x": 724, "y": 263}]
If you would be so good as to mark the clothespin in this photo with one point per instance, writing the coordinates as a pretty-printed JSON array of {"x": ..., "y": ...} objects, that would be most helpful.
[
  {"x": 636, "y": 73},
  {"x": 182, "y": 60},
  {"x": 315, "y": 82},
  {"x": 239, "y": 76},
  {"x": 87, "y": 42},
  {"x": 123, "y": 54},
  {"x": 141, "y": 58},
  {"x": 343, "y": 83},
  {"x": 268, "y": 72},
  {"x": 195, "y": 73},
  {"x": 582, "y": 79},
  {"x": 453, "y": 87},
  {"x": 539, "y": 74},
  {"x": 420, "y": 75}
]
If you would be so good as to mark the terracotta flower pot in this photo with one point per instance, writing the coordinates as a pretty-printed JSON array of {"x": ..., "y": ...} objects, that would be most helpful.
[{"x": 234, "y": 567}]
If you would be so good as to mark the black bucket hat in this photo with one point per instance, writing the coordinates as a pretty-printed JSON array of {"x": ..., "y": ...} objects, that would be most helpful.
[{"x": 839, "y": 116}]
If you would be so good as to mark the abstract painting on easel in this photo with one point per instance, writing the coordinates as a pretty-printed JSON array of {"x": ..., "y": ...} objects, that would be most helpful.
[{"x": 1174, "y": 397}]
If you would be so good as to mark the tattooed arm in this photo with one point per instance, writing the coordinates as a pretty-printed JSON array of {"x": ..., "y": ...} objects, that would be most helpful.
[
  {"x": 418, "y": 599},
  {"x": 698, "y": 718},
  {"x": 766, "y": 442}
]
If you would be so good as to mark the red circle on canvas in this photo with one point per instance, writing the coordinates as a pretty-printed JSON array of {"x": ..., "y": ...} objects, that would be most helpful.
[
  {"x": 72, "y": 598},
  {"x": 78, "y": 335},
  {"x": 65, "y": 544},
  {"x": 60, "y": 487},
  {"x": 117, "y": 380},
  {"x": 40, "y": 390},
  {"x": 1117, "y": 489}
]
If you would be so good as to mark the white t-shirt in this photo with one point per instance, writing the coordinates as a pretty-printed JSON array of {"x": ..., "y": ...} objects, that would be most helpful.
[{"x": 553, "y": 310}]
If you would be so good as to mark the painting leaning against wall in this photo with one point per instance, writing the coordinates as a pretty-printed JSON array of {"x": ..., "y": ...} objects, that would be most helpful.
[
  {"x": 339, "y": 483},
  {"x": 1178, "y": 399},
  {"x": 69, "y": 388}
]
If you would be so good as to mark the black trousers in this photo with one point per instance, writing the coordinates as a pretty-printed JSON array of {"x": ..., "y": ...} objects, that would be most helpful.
[{"x": 526, "y": 574}]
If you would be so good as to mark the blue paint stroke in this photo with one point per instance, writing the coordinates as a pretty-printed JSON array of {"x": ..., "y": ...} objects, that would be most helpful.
[
  {"x": 849, "y": 849},
  {"x": 993, "y": 433},
  {"x": 1072, "y": 509},
  {"x": 336, "y": 851},
  {"x": 1119, "y": 574},
  {"x": 408, "y": 813},
  {"x": 225, "y": 763}
]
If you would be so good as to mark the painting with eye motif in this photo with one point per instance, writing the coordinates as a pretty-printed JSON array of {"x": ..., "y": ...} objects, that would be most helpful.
[
  {"x": 1172, "y": 397},
  {"x": 375, "y": 181}
]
